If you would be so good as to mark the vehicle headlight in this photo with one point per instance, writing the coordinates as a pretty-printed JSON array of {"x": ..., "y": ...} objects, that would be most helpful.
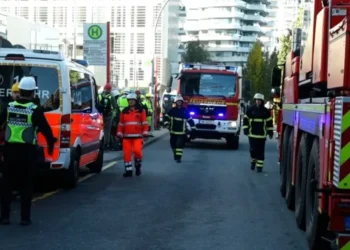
[{"x": 233, "y": 124}]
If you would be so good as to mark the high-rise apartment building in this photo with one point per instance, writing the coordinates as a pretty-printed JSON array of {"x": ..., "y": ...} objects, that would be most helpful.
[
  {"x": 228, "y": 28},
  {"x": 271, "y": 30},
  {"x": 134, "y": 36}
]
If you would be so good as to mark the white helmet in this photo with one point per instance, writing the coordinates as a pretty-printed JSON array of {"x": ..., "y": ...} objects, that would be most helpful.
[
  {"x": 115, "y": 92},
  {"x": 126, "y": 90},
  {"x": 178, "y": 98},
  {"x": 27, "y": 83},
  {"x": 131, "y": 96},
  {"x": 259, "y": 96}
]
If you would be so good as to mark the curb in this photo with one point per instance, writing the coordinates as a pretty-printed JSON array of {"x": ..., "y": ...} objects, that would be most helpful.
[{"x": 147, "y": 143}]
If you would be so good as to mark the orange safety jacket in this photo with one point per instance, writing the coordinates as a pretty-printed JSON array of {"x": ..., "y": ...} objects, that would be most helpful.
[{"x": 133, "y": 123}]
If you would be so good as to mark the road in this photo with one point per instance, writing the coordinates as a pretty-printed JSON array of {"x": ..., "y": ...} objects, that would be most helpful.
[{"x": 212, "y": 200}]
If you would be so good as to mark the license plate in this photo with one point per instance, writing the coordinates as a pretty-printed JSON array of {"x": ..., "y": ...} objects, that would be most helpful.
[
  {"x": 206, "y": 122},
  {"x": 347, "y": 223}
]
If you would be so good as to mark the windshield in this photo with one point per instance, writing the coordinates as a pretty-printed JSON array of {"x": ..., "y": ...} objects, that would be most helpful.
[
  {"x": 200, "y": 84},
  {"x": 46, "y": 78},
  {"x": 169, "y": 98}
]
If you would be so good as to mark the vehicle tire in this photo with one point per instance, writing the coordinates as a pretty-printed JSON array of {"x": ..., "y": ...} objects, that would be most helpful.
[
  {"x": 96, "y": 166},
  {"x": 283, "y": 163},
  {"x": 316, "y": 224},
  {"x": 233, "y": 142},
  {"x": 300, "y": 182},
  {"x": 289, "y": 173},
  {"x": 71, "y": 175}
]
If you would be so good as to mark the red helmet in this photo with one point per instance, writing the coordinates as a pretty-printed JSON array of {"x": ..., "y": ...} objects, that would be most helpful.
[
  {"x": 138, "y": 92},
  {"x": 108, "y": 87}
]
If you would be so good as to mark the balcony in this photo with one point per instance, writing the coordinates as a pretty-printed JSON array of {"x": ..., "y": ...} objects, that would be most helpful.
[
  {"x": 215, "y": 14},
  {"x": 256, "y": 18},
  {"x": 251, "y": 28},
  {"x": 204, "y": 25},
  {"x": 233, "y": 59},
  {"x": 182, "y": 11},
  {"x": 228, "y": 48},
  {"x": 181, "y": 31},
  {"x": 219, "y": 37},
  {"x": 258, "y": 7}
]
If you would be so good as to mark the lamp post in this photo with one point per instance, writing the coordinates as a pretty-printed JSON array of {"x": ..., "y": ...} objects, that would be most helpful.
[{"x": 155, "y": 101}]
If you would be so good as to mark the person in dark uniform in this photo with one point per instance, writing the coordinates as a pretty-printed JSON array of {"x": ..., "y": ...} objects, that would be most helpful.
[
  {"x": 177, "y": 120},
  {"x": 257, "y": 124},
  {"x": 22, "y": 119}
]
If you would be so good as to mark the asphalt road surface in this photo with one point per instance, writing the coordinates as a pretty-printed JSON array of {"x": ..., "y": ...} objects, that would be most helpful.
[{"x": 212, "y": 200}]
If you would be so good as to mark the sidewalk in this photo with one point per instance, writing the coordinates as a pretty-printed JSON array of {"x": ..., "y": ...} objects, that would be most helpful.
[{"x": 117, "y": 155}]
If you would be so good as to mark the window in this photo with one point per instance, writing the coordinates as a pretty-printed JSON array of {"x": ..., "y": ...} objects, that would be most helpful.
[
  {"x": 141, "y": 16},
  {"x": 81, "y": 92},
  {"x": 208, "y": 84},
  {"x": 119, "y": 43},
  {"x": 47, "y": 95},
  {"x": 140, "y": 43}
]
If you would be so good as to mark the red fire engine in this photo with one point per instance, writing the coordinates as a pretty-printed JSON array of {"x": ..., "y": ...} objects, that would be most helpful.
[
  {"x": 314, "y": 125},
  {"x": 212, "y": 93}
]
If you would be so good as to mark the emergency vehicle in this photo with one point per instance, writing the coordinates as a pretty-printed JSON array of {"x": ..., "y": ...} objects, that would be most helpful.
[
  {"x": 314, "y": 125},
  {"x": 212, "y": 93},
  {"x": 67, "y": 91}
]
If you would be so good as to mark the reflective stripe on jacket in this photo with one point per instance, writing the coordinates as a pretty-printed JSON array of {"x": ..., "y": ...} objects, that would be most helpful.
[
  {"x": 133, "y": 123},
  {"x": 178, "y": 120},
  {"x": 19, "y": 127},
  {"x": 258, "y": 122}
]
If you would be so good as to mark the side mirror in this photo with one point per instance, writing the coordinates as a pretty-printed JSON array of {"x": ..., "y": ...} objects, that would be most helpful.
[
  {"x": 276, "y": 77},
  {"x": 170, "y": 82},
  {"x": 168, "y": 90}
]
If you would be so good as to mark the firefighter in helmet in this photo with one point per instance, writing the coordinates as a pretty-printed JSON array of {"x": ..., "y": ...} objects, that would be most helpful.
[
  {"x": 257, "y": 124},
  {"x": 132, "y": 127},
  {"x": 176, "y": 120}
]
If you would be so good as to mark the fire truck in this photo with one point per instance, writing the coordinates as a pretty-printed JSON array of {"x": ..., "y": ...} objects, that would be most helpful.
[
  {"x": 313, "y": 87},
  {"x": 212, "y": 93}
]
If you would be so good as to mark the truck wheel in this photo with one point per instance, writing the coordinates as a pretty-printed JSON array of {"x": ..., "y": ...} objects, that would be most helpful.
[
  {"x": 233, "y": 142},
  {"x": 96, "y": 166},
  {"x": 315, "y": 223},
  {"x": 71, "y": 176},
  {"x": 289, "y": 173},
  {"x": 300, "y": 182},
  {"x": 284, "y": 162}
]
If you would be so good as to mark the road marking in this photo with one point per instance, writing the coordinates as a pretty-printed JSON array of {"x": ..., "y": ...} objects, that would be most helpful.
[{"x": 47, "y": 195}]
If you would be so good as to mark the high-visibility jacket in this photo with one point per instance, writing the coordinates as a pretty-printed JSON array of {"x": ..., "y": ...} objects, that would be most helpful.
[
  {"x": 257, "y": 122},
  {"x": 178, "y": 120},
  {"x": 19, "y": 127},
  {"x": 122, "y": 102},
  {"x": 133, "y": 123},
  {"x": 148, "y": 103}
]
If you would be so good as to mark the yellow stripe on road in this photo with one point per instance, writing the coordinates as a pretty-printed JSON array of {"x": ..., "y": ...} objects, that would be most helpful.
[{"x": 47, "y": 195}]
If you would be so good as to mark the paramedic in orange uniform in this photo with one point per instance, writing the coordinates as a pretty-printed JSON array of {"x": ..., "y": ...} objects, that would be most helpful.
[{"x": 132, "y": 127}]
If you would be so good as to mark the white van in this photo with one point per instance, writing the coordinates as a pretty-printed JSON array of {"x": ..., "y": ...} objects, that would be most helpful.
[{"x": 67, "y": 91}]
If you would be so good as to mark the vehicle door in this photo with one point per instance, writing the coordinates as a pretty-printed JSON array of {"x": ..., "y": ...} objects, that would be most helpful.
[{"x": 47, "y": 96}]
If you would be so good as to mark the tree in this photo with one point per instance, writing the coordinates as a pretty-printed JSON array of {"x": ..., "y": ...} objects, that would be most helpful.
[
  {"x": 255, "y": 69},
  {"x": 286, "y": 46},
  {"x": 195, "y": 52},
  {"x": 270, "y": 62},
  {"x": 298, "y": 22}
]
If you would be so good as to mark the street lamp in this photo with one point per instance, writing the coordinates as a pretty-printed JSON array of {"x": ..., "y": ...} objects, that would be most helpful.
[{"x": 153, "y": 64}]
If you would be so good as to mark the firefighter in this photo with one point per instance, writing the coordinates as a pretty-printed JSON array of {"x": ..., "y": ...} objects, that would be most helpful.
[
  {"x": 15, "y": 91},
  {"x": 149, "y": 112},
  {"x": 132, "y": 128},
  {"x": 141, "y": 101},
  {"x": 257, "y": 124},
  {"x": 108, "y": 105},
  {"x": 176, "y": 120},
  {"x": 22, "y": 119}
]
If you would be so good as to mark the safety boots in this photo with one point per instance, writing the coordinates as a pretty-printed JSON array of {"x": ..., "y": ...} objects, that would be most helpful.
[
  {"x": 138, "y": 167},
  {"x": 252, "y": 166},
  {"x": 259, "y": 170},
  {"x": 127, "y": 174}
]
